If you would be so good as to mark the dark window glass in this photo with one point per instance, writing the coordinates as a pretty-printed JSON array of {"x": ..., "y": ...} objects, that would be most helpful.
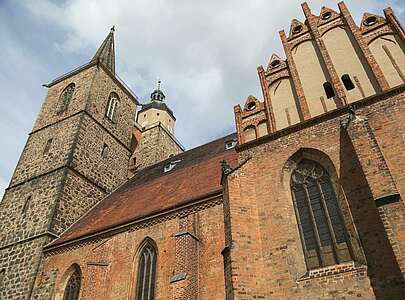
[
  {"x": 72, "y": 289},
  {"x": 322, "y": 230},
  {"x": 145, "y": 289},
  {"x": 347, "y": 82},
  {"x": 65, "y": 97},
  {"x": 328, "y": 90}
]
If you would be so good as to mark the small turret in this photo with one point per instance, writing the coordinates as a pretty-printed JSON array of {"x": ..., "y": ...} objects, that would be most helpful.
[{"x": 156, "y": 111}]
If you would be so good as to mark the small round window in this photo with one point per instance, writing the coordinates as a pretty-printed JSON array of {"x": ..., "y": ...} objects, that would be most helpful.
[
  {"x": 251, "y": 106},
  {"x": 275, "y": 63},
  {"x": 297, "y": 29},
  {"x": 370, "y": 21},
  {"x": 327, "y": 15}
]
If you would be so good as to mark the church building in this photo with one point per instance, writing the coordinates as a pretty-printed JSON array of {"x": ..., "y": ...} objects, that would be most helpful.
[{"x": 305, "y": 200}]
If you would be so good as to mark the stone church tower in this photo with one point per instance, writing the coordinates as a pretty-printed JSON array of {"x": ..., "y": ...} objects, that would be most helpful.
[
  {"x": 306, "y": 200},
  {"x": 77, "y": 153},
  {"x": 154, "y": 133}
]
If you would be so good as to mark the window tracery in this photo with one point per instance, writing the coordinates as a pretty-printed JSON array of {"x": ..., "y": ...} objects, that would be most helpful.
[
  {"x": 66, "y": 97},
  {"x": 72, "y": 289},
  {"x": 321, "y": 227},
  {"x": 112, "y": 107},
  {"x": 146, "y": 273}
]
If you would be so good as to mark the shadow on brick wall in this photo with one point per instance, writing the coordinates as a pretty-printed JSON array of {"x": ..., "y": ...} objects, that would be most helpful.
[{"x": 383, "y": 270}]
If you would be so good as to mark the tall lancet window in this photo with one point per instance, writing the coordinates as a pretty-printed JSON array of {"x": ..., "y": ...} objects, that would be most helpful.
[
  {"x": 112, "y": 107},
  {"x": 72, "y": 289},
  {"x": 145, "y": 289},
  {"x": 322, "y": 230},
  {"x": 65, "y": 98}
]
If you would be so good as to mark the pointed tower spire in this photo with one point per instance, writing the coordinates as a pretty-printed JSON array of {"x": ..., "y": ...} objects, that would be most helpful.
[{"x": 106, "y": 53}]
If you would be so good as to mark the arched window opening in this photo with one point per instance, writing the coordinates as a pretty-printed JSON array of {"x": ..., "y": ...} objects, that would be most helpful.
[
  {"x": 262, "y": 129},
  {"x": 328, "y": 90},
  {"x": 251, "y": 105},
  {"x": 347, "y": 82},
  {"x": 322, "y": 230},
  {"x": 249, "y": 133},
  {"x": 145, "y": 289},
  {"x": 65, "y": 97},
  {"x": 72, "y": 289},
  {"x": 112, "y": 107}
]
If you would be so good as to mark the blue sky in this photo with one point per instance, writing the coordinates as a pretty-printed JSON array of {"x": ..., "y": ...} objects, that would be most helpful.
[{"x": 205, "y": 53}]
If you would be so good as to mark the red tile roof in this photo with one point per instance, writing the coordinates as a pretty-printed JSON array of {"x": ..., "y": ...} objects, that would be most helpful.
[{"x": 151, "y": 190}]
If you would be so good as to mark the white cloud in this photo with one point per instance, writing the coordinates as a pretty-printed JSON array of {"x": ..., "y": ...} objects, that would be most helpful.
[{"x": 206, "y": 52}]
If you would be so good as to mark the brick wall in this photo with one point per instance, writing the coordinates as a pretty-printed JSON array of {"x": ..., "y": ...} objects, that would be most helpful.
[
  {"x": 266, "y": 257},
  {"x": 109, "y": 262}
]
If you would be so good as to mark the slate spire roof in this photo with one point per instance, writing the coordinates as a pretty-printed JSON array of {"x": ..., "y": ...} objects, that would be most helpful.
[{"x": 106, "y": 53}]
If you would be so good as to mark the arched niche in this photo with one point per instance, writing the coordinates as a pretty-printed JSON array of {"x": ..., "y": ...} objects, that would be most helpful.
[
  {"x": 312, "y": 77},
  {"x": 249, "y": 133},
  {"x": 388, "y": 51},
  {"x": 346, "y": 61},
  {"x": 283, "y": 102}
]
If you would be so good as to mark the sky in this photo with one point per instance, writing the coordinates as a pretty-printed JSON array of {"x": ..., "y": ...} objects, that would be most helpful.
[{"x": 204, "y": 52}]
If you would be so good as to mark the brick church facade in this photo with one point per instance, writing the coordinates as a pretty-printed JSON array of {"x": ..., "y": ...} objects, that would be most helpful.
[{"x": 304, "y": 201}]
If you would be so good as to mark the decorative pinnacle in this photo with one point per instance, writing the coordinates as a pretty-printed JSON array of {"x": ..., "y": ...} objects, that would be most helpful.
[
  {"x": 112, "y": 28},
  {"x": 226, "y": 168},
  {"x": 158, "y": 83}
]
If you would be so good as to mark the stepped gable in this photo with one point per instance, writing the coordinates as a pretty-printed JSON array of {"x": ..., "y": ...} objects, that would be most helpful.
[{"x": 197, "y": 173}]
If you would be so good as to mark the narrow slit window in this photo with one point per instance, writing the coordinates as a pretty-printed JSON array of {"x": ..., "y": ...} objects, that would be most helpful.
[
  {"x": 347, "y": 82},
  {"x": 26, "y": 204},
  {"x": 48, "y": 146},
  {"x": 104, "y": 151},
  {"x": 328, "y": 90},
  {"x": 2, "y": 275}
]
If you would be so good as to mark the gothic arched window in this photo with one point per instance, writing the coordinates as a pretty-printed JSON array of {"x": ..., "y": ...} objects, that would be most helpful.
[
  {"x": 65, "y": 97},
  {"x": 323, "y": 233},
  {"x": 112, "y": 107},
  {"x": 328, "y": 90},
  {"x": 347, "y": 81},
  {"x": 145, "y": 289},
  {"x": 72, "y": 289}
]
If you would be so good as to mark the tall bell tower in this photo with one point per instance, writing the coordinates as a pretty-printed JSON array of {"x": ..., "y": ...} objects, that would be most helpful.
[{"x": 77, "y": 152}]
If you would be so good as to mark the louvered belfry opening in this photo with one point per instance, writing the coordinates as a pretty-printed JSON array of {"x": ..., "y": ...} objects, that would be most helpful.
[
  {"x": 72, "y": 289},
  {"x": 323, "y": 233},
  {"x": 146, "y": 273}
]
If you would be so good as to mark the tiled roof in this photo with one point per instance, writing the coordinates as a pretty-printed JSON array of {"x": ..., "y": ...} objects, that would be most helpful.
[{"x": 150, "y": 191}]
